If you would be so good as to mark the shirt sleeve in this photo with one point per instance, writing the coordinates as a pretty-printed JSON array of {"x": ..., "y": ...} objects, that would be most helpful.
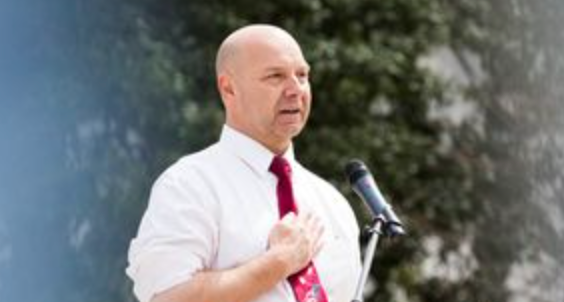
[{"x": 177, "y": 236}]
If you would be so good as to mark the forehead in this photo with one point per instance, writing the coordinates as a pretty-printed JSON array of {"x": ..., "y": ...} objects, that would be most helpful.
[{"x": 273, "y": 52}]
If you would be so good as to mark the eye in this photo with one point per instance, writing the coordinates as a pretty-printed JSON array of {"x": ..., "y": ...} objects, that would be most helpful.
[
  {"x": 275, "y": 75},
  {"x": 302, "y": 75}
]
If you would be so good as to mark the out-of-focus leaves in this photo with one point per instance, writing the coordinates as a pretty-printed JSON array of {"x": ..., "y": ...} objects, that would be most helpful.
[{"x": 144, "y": 95}]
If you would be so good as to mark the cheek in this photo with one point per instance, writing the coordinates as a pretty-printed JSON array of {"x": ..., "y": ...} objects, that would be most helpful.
[
  {"x": 307, "y": 99},
  {"x": 264, "y": 107},
  {"x": 307, "y": 94}
]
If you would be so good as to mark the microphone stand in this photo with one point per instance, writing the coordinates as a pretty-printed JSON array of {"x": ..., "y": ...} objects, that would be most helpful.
[{"x": 375, "y": 231}]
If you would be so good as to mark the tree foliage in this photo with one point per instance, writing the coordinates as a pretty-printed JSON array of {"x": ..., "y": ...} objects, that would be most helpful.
[{"x": 142, "y": 94}]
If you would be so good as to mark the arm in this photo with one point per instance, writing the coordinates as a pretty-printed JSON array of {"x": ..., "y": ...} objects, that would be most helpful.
[{"x": 293, "y": 242}]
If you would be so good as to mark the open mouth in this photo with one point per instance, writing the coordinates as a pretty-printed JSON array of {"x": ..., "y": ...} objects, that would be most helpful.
[{"x": 290, "y": 111}]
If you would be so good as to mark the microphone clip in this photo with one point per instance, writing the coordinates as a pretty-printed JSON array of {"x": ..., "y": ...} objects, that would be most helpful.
[{"x": 381, "y": 227}]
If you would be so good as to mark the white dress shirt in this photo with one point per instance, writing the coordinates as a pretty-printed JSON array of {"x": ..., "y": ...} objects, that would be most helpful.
[{"x": 214, "y": 210}]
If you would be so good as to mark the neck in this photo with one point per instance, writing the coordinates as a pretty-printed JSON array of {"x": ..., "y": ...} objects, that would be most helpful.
[
  {"x": 274, "y": 146},
  {"x": 278, "y": 150}
]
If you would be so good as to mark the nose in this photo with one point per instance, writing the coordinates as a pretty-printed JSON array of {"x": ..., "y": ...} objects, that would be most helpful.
[{"x": 296, "y": 86}]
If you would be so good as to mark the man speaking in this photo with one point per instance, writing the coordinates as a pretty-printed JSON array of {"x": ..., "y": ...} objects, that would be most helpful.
[{"x": 243, "y": 220}]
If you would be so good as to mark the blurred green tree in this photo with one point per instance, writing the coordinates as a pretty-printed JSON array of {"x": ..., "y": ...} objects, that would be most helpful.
[
  {"x": 372, "y": 101},
  {"x": 148, "y": 67}
]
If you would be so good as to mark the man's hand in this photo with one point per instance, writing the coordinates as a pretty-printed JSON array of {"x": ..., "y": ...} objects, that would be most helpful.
[{"x": 296, "y": 239}]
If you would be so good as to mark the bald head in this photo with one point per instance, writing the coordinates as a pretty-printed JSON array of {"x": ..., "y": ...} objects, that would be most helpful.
[
  {"x": 230, "y": 51},
  {"x": 263, "y": 81}
]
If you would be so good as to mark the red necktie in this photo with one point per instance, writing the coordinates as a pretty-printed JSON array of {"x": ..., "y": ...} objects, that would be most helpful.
[{"x": 305, "y": 283}]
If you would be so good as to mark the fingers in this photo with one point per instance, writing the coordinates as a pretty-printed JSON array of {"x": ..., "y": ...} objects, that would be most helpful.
[
  {"x": 315, "y": 229},
  {"x": 289, "y": 219},
  {"x": 298, "y": 238},
  {"x": 317, "y": 236},
  {"x": 310, "y": 226}
]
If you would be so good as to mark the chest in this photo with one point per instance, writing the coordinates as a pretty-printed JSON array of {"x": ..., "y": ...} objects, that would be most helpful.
[{"x": 249, "y": 210}]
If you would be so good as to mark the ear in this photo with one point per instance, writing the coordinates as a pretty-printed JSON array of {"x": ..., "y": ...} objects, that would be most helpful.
[{"x": 225, "y": 87}]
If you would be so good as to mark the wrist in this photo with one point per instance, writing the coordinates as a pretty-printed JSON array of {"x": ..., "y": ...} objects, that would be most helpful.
[{"x": 280, "y": 261}]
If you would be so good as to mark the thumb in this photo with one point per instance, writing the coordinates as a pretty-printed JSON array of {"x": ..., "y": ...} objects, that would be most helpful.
[{"x": 289, "y": 218}]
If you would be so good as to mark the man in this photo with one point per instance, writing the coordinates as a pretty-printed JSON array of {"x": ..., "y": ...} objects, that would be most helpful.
[{"x": 242, "y": 220}]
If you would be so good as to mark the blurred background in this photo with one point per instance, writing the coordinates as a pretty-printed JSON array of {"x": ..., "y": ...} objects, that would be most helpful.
[{"x": 456, "y": 106}]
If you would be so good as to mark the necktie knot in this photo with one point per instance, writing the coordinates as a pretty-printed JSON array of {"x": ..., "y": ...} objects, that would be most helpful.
[{"x": 280, "y": 167}]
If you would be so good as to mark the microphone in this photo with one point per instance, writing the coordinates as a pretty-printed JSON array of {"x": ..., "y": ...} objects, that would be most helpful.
[{"x": 364, "y": 185}]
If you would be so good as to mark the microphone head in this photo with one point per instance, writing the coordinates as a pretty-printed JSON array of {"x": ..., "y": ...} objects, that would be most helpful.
[
  {"x": 355, "y": 169},
  {"x": 373, "y": 199}
]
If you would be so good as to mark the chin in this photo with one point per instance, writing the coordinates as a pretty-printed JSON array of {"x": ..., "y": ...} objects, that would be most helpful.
[{"x": 293, "y": 131}]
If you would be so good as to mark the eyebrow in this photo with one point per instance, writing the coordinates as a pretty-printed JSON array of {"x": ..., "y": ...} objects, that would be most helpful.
[{"x": 279, "y": 68}]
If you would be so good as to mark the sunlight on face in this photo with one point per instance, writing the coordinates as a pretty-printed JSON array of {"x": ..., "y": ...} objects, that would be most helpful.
[{"x": 271, "y": 91}]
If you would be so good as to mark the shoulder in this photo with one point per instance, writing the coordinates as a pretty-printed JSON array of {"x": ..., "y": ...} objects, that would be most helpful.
[
  {"x": 193, "y": 167},
  {"x": 192, "y": 174}
]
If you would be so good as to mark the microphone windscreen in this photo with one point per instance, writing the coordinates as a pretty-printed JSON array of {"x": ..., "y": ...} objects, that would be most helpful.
[{"x": 355, "y": 169}]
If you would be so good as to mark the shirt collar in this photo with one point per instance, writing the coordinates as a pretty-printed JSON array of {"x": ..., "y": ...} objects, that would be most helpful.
[{"x": 253, "y": 153}]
